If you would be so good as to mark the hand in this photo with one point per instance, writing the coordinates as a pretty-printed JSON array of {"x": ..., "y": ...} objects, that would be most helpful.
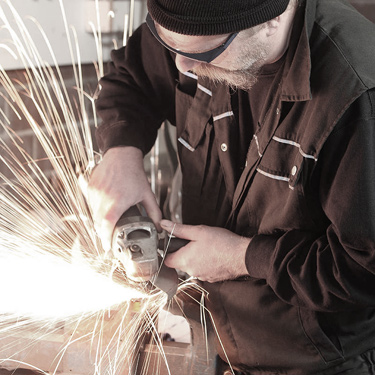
[
  {"x": 117, "y": 183},
  {"x": 213, "y": 254}
]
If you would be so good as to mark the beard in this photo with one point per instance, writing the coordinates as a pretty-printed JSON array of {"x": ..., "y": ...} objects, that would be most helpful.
[{"x": 251, "y": 59}]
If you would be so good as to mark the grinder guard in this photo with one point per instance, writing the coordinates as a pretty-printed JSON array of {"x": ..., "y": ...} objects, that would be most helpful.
[{"x": 135, "y": 244}]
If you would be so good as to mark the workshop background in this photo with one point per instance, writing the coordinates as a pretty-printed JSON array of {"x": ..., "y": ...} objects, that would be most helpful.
[{"x": 80, "y": 13}]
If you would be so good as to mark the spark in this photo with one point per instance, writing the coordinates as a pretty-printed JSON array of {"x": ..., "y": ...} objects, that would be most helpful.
[
  {"x": 126, "y": 27},
  {"x": 51, "y": 286},
  {"x": 54, "y": 273},
  {"x": 131, "y": 17},
  {"x": 53, "y": 270}
]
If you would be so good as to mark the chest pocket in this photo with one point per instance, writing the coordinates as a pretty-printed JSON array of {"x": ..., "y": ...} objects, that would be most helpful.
[
  {"x": 192, "y": 116},
  {"x": 277, "y": 195},
  {"x": 284, "y": 160}
]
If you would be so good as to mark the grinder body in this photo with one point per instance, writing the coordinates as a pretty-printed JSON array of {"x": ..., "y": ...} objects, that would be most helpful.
[{"x": 135, "y": 244}]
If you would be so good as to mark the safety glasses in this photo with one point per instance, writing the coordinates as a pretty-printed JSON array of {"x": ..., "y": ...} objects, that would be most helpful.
[{"x": 206, "y": 56}]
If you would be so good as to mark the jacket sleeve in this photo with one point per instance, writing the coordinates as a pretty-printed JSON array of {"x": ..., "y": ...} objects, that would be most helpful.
[
  {"x": 336, "y": 270},
  {"x": 137, "y": 93}
]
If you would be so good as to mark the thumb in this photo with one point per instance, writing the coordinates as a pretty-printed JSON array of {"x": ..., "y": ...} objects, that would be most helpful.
[
  {"x": 153, "y": 210},
  {"x": 105, "y": 227},
  {"x": 105, "y": 233}
]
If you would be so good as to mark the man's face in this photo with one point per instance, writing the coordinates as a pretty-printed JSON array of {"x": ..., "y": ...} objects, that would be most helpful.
[{"x": 237, "y": 66}]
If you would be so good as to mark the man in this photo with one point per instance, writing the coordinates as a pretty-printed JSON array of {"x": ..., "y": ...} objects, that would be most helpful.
[{"x": 274, "y": 107}]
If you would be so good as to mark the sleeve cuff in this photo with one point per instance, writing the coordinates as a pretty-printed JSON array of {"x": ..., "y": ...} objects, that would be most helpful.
[
  {"x": 121, "y": 134},
  {"x": 259, "y": 255}
]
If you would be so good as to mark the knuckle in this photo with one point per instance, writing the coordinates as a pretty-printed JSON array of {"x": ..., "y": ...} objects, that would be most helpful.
[
  {"x": 200, "y": 229},
  {"x": 110, "y": 218}
]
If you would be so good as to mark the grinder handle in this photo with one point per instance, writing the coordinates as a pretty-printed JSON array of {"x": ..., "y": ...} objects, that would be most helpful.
[
  {"x": 132, "y": 214},
  {"x": 173, "y": 244},
  {"x": 132, "y": 211},
  {"x": 129, "y": 219}
]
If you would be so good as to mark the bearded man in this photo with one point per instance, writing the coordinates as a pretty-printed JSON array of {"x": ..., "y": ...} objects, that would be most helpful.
[{"x": 274, "y": 107}]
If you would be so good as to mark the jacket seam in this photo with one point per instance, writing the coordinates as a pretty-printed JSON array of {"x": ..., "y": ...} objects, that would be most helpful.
[
  {"x": 335, "y": 131},
  {"x": 371, "y": 117},
  {"x": 319, "y": 351},
  {"x": 372, "y": 102},
  {"x": 342, "y": 54},
  {"x": 234, "y": 342},
  {"x": 307, "y": 336}
]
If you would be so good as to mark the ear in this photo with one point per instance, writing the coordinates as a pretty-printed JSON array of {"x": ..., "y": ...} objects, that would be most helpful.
[{"x": 272, "y": 26}]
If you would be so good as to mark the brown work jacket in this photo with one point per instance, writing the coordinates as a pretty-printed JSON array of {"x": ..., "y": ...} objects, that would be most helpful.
[{"x": 305, "y": 192}]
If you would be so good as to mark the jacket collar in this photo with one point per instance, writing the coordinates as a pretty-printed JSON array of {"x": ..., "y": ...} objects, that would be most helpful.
[{"x": 297, "y": 68}]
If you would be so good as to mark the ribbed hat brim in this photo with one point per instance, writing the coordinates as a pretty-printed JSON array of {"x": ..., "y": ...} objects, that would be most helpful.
[{"x": 213, "y": 17}]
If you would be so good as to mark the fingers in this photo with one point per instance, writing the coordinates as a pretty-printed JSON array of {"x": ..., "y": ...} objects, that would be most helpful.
[
  {"x": 106, "y": 227},
  {"x": 110, "y": 211},
  {"x": 187, "y": 232},
  {"x": 181, "y": 231},
  {"x": 171, "y": 261},
  {"x": 116, "y": 184},
  {"x": 105, "y": 214},
  {"x": 153, "y": 210}
]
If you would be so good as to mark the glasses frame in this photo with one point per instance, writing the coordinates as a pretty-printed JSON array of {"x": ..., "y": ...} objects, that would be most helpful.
[{"x": 206, "y": 56}]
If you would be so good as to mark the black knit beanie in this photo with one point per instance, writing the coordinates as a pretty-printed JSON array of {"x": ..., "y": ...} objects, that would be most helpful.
[{"x": 213, "y": 17}]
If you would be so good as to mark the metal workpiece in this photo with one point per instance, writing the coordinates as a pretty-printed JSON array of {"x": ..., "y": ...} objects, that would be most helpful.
[{"x": 199, "y": 357}]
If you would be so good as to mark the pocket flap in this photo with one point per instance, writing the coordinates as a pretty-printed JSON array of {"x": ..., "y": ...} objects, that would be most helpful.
[{"x": 193, "y": 116}]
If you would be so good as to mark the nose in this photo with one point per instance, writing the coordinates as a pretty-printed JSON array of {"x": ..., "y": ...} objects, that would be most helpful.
[{"x": 185, "y": 64}]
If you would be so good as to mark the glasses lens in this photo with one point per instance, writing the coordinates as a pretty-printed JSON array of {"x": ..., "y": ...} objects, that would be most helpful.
[{"x": 206, "y": 56}]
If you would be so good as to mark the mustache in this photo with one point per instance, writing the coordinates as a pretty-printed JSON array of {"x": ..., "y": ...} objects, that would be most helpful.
[
  {"x": 250, "y": 61},
  {"x": 236, "y": 79}
]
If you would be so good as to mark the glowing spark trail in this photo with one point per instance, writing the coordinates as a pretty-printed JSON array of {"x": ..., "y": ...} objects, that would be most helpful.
[
  {"x": 50, "y": 287},
  {"x": 54, "y": 274},
  {"x": 53, "y": 271}
]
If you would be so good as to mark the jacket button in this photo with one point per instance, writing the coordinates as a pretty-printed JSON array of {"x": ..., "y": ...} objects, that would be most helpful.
[
  {"x": 224, "y": 147},
  {"x": 294, "y": 171}
]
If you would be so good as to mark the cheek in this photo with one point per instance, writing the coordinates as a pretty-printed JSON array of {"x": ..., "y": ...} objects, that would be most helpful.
[
  {"x": 225, "y": 60},
  {"x": 253, "y": 55}
]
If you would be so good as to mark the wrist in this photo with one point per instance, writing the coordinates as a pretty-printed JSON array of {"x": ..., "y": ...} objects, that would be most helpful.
[{"x": 240, "y": 268}]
